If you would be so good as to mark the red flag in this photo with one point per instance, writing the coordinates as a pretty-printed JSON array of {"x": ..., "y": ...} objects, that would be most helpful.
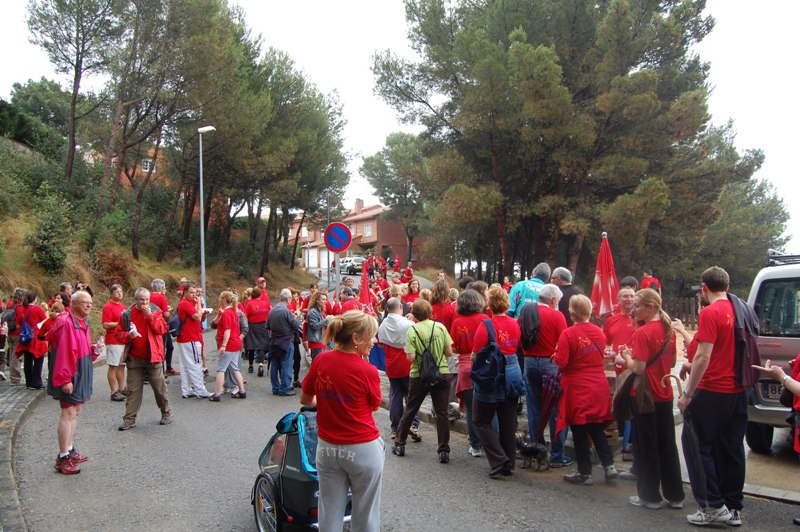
[
  {"x": 364, "y": 295},
  {"x": 604, "y": 291}
]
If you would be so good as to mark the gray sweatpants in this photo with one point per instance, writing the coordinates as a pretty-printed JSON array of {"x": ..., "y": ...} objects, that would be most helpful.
[{"x": 358, "y": 467}]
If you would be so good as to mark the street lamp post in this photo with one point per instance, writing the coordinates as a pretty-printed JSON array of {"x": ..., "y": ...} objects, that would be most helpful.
[{"x": 200, "y": 131}]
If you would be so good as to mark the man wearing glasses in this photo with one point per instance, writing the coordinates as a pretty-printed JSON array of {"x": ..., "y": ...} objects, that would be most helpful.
[{"x": 71, "y": 374}]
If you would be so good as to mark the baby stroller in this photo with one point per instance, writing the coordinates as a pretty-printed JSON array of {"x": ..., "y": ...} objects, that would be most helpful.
[{"x": 285, "y": 493}]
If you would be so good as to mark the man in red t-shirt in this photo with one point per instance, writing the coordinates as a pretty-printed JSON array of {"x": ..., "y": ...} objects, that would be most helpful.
[
  {"x": 189, "y": 342},
  {"x": 648, "y": 281},
  {"x": 261, "y": 283},
  {"x": 396, "y": 265},
  {"x": 717, "y": 408},
  {"x": 538, "y": 364},
  {"x": 141, "y": 328},
  {"x": 112, "y": 311}
]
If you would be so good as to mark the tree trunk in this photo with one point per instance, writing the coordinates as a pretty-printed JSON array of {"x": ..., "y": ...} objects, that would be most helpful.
[
  {"x": 267, "y": 235},
  {"x": 72, "y": 122},
  {"x": 188, "y": 211},
  {"x": 575, "y": 253},
  {"x": 137, "y": 216},
  {"x": 409, "y": 245},
  {"x": 296, "y": 240},
  {"x": 112, "y": 142},
  {"x": 502, "y": 237},
  {"x": 173, "y": 211}
]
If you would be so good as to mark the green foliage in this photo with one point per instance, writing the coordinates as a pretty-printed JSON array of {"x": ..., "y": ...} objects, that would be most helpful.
[
  {"x": 583, "y": 117},
  {"x": 113, "y": 230},
  {"x": 52, "y": 230}
]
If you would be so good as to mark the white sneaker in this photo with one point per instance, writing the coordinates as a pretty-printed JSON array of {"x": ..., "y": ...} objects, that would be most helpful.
[
  {"x": 708, "y": 516},
  {"x": 2, "y": 376},
  {"x": 611, "y": 473},
  {"x": 477, "y": 453},
  {"x": 735, "y": 519},
  {"x": 636, "y": 501}
]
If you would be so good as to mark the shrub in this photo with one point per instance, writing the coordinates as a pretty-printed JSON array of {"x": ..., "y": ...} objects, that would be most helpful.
[
  {"x": 52, "y": 231},
  {"x": 112, "y": 268}
]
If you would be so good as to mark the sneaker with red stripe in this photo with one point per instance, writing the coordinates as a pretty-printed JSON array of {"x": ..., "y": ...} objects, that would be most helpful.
[
  {"x": 77, "y": 457},
  {"x": 66, "y": 466}
]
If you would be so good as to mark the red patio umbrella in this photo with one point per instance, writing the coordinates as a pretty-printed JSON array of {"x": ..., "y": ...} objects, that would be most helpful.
[
  {"x": 364, "y": 295},
  {"x": 604, "y": 291}
]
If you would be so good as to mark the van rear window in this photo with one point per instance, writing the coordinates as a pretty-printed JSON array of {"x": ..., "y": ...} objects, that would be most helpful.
[{"x": 777, "y": 307}]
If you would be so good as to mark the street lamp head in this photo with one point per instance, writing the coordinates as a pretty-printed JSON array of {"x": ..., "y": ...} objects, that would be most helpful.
[{"x": 206, "y": 129}]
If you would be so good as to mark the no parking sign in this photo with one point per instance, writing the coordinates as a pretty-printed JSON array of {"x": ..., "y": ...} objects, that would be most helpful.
[{"x": 337, "y": 237}]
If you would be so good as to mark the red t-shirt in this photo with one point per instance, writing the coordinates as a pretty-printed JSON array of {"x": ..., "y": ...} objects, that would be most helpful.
[
  {"x": 411, "y": 297},
  {"x": 112, "y": 312},
  {"x": 140, "y": 346},
  {"x": 229, "y": 321},
  {"x": 463, "y": 330},
  {"x": 645, "y": 344},
  {"x": 444, "y": 313},
  {"x": 257, "y": 310},
  {"x": 159, "y": 300},
  {"x": 33, "y": 315},
  {"x": 397, "y": 363},
  {"x": 618, "y": 330},
  {"x": 348, "y": 390},
  {"x": 650, "y": 282},
  {"x": 265, "y": 296},
  {"x": 716, "y": 327},
  {"x": 296, "y": 304},
  {"x": 350, "y": 304},
  {"x": 506, "y": 331},
  {"x": 552, "y": 325},
  {"x": 408, "y": 274},
  {"x": 191, "y": 329}
]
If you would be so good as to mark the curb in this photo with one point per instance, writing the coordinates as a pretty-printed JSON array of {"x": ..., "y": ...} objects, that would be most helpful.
[
  {"x": 752, "y": 490},
  {"x": 11, "y": 515}
]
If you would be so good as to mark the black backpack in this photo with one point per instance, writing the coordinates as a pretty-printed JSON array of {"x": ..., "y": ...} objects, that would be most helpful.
[
  {"x": 10, "y": 318},
  {"x": 429, "y": 373},
  {"x": 489, "y": 368}
]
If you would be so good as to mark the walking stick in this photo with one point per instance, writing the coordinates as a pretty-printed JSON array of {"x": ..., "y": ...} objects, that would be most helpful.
[{"x": 666, "y": 377}]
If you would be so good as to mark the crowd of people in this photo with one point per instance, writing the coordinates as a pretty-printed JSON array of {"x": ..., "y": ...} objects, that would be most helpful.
[{"x": 436, "y": 342}]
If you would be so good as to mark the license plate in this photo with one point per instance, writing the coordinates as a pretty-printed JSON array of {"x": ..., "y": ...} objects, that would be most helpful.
[{"x": 771, "y": 390}]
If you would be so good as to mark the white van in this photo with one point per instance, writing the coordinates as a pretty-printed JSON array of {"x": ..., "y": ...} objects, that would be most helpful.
[{"x": 775, "y": 296}]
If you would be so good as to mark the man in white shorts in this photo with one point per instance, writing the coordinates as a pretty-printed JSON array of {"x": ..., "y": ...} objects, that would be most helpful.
[
  {"x": 189, "y": 342},
  {"x": 114, "y": 348}
]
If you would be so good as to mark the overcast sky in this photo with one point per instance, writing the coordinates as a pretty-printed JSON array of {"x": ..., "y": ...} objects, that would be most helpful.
[{"x": 751, "y": 52}]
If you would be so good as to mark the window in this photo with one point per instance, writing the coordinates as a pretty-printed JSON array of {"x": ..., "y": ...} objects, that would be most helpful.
[
  {"x": 367, "y": 229},
  {"x": 777, "y": 307},
  {"x": 148, "y": 165},
  {"x": 304, "y": 232}
]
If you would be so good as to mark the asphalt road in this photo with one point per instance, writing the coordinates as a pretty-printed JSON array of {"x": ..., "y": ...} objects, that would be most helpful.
[{"x": 197, "y": 473}]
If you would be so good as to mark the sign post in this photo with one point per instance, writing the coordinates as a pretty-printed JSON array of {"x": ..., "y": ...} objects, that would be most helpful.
[{"x": 337, "y": 238}]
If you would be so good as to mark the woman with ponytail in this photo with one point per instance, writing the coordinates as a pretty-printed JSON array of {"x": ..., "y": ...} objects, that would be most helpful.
[
  {"x": 652, "y": 352},
  {"x": 346, "y": 390}
]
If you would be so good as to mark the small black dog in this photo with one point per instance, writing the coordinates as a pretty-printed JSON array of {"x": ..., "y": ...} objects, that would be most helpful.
[{"x": 533, "y": 451}]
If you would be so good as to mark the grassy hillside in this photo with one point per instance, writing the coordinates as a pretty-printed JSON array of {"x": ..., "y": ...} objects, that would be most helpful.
[{"x": 17, "y": 269}]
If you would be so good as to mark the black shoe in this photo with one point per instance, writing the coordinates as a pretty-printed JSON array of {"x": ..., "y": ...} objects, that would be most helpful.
[
  {"x": 296, "y": 384},
  {"x": 796, "y": 521},
  {"x": 444, "y": 458},
  {"x": 260, "y": 371},
  {"x": 399, "y": 450},
  {"x": 250, "y": 369}
]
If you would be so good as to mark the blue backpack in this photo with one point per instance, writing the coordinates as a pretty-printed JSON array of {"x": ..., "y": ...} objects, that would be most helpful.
[
  {"x": 489, "y": 368},
  {"x": 25, "y": 331}
]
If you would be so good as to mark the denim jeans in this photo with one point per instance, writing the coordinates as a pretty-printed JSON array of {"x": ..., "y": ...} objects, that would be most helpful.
[
  {"x": 535, "y": 368},
  {"x": 398, "y": 396},
  {"x": 280, "y": 370}
]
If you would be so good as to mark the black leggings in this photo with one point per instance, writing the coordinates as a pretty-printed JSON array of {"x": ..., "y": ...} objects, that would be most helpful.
[{"x": 297, "y": 357}]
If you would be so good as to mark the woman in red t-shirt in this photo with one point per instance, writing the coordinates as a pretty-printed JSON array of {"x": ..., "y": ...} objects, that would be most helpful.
[
  {"x": 500, "y": 446},
  {"x": 346, "y": 390},
  {"x": 469, "y": 314},
  {"x": 32, "y": 353},
  {"x": 413, "y": 291},
  {"x": 585, "y": 399},
  {"x": 653, "y": 353},
  {"x": 443, "y": 310},
  {"x": 229, "y": 346}
]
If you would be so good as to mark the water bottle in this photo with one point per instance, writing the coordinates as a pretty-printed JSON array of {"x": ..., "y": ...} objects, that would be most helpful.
[{"x": 99, "y": 346}]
